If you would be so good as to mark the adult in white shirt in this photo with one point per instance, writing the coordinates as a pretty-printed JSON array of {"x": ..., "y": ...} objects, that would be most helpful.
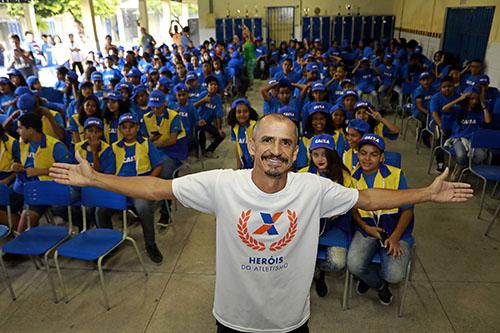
[
  {"x": 75, "y": 55},
  {"x": 267, "y": 223}
]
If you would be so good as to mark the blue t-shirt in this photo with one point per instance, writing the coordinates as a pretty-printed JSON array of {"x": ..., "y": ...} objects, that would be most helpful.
[
  {"x": 472, "y": 80},
  {"x": 196, "y": 93},
  {"x": 293, "y": 76},
  {"x": 436, "y": 104},
  {"x": 188, "y": 114},
  {"x": 241, "y": 136},
  {"x": 109, "y": 74},
  {"x": 365, "y": 80},
  {"x": 211, "y": 110},
  {"x": 106, "y": 159},
  {"x": 295, "y": 103},
  {"x": 222, "y": 79},
  {"x": 388, "y": 74},
  {"x": 424, "y": 95},
  {"x": 467, "y": 123},
  {"x": 129, "y": 169}
]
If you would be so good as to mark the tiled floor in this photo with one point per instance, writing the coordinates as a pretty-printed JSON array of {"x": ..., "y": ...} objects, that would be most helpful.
[{"x": 456, "y": 282}]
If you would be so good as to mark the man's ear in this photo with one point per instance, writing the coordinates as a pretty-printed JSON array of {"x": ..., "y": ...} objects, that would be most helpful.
[
  {"x": 251, "y": 147},
  {"x": 295, "y": 152}
]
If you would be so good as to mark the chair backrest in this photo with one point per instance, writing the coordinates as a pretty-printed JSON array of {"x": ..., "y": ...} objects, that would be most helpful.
[
  {"x": 392, "y": 158},
  {"x": 47, "y": 193},
  {"x": 4, "y": 195},
  {"x": 96, "y": 197},
  {"x": 489, "y": 139}
]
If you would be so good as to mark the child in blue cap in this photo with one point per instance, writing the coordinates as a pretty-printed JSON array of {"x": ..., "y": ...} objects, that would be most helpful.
[
  {"x": 472, "y": 116},
  {"x": 113, "y": 109},
  {"x": 188, "y": 113},
  {"x": 89, "y": 108},
  {"x": 378, "y": 124},
  {"x": 136, "y": 156},
  {"x": 421, "y": 98},
  {"x": 355, "y": 131},
  {"x": 386, "y": 232},
  {"x": 242, "y": 119},
  {"x": 94, "y": 149},
  {"x": 326, "y": 162}
]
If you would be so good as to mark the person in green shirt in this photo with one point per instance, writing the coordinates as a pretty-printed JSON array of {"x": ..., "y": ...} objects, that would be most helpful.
[{"x": 249, "y": 52}]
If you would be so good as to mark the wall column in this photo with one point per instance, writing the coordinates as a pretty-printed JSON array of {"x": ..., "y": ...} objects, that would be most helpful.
[{"x": 89, "y": 23}]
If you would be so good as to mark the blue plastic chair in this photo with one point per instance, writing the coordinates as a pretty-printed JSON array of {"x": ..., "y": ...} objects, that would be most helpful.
[
  {"x": 377, "y": 260},
  {"x": 41, "y": 240},
  {"x": 486, "y": 139},
  {"x": 5, "y": 231},
  {"x": 447, "y": 150},
  {"x": 95, "y": 244},
  {"x": 392, "y": 158}
]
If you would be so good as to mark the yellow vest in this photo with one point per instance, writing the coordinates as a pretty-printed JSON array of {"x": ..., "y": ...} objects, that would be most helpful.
[
  {"x": 348, "y": 157},
  {"x": 387, "y": 177},
  {"x": 81, "y": 130},
  {"x": 249, "y": 132},
  {"x": 346, "y": 175},
  {"x": 44, "y": 155},
  {"x": 107, "y": 130},
  {"x": 164, "y": 128},
  {"x": 6, "y": 157},
  {"x": 142, "y": 161},
  {"x": 84, "y": 150},
  {"x": 47, "y": 127}
]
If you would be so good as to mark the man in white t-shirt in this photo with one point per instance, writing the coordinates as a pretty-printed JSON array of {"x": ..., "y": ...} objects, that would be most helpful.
[{"x": 267, "y": 223}]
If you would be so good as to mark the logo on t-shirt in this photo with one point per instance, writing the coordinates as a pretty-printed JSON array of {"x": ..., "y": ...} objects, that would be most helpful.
[{"x": 269, "y": 228}]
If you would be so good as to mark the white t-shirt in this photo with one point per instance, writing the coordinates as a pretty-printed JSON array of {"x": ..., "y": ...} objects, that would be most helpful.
[{"x": 266, "y": 244}]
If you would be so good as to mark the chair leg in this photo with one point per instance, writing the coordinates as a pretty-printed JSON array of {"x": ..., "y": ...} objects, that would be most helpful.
[
  {"x": 346, "y": 290},
  {"x": 405, "y": 286},
  {"x": 103, "y": 286},
  {"x": 495, "y": 188},
  {"x": 33, "y": 259},
  {"x": 61, "y": 282},
  {"x": 462, "y": 173},
  {"x": 481, "y": 203},
  {"x": 49, "y": 277},
  {"x": 431, "y": 159},
  {"x": 7, "y": 279},
  {"x": 130, "y": 239},
  {"x": 492, "y": 221}
]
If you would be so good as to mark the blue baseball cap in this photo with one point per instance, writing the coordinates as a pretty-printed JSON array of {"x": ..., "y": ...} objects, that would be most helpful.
[
  {"x": 288, "y": 111},
  {"x": 484, "y": 80},
  {"x": 124, "y": 85},
  {"x": 258, "y": 39},
  {"x": 96, "y": 76},
  {"x": 180, "y": 87},
  {"x": 363, "y": 104},
  {"x": 238, "y": 101},
  {"x": 273, "y": 81},
  {"x": 418, "y": 49},
  {"x": 364, "y": 59},
  {"x": 324, "y": 107},
  {"x": 72, "y": 75},
  {"x": 191, "y": 76},
  {"x": 22, "y": 90},
  {"x": 31, "y": 80},
  {"x": 285, "y": 83},
  {"x": 15, "y": 72},
  {"x": 113, "y": 96},
  {"x": 346, "y": 81},
  {"x": 322, "y": 141},
  {"x": 273, "y": 42},
  {"x": 424, "y": 75},
  {"x": 156, "y": 99},
  {"x": 471, "y": 89},
  {"x": 164, "y": 81},
  {"x": 317, "y": 40},
  {"x": 164, "y": 69},
  {"x": 138, "y": 89},
  {"x": 349, "y": 92},
  {"x": 359, "y": 125},
  {"x": 26, "y": 102},
  {"x": 4, "y": 80},
  {"x": 318, "y": 86},
  {"x": 128, "y": 117},
  {"x": 92, "y": 98},
  {"x": 85, "y": 84},
  {"x": 134, "y": 72},
  {"x": 372, "y": 139},
  {"x": 388, "y": 57},
  {"x": 93, "y": 121},
  {"x": 152, "y": 70},
  {"x": 312, "y": 66}
]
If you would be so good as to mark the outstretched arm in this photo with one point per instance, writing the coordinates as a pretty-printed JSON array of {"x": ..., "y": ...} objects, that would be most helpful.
[
  {"x": 82, "y": 174},
  {"x": 439, "y": 191}
]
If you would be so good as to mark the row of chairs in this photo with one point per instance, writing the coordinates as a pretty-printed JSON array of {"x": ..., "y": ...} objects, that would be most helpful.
[
  {"x": 45, "y": 240},
  {"x": 483, "y": 139}
]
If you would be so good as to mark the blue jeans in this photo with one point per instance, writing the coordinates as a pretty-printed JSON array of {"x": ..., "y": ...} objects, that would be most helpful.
[
  {"x": 391, "y": 269},
  {"x": 461, "y": 154},
  {"x": 145, "y": 210}
]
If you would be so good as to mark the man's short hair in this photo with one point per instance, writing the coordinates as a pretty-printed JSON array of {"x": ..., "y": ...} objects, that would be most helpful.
[
  {"x": 31, "y": 120},
  {"x": 186, "y": 29},
  {"x": 15, "y": 36}
]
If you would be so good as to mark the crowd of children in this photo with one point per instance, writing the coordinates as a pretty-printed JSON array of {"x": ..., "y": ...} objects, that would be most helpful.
[{"x": 133, "y": 113}]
